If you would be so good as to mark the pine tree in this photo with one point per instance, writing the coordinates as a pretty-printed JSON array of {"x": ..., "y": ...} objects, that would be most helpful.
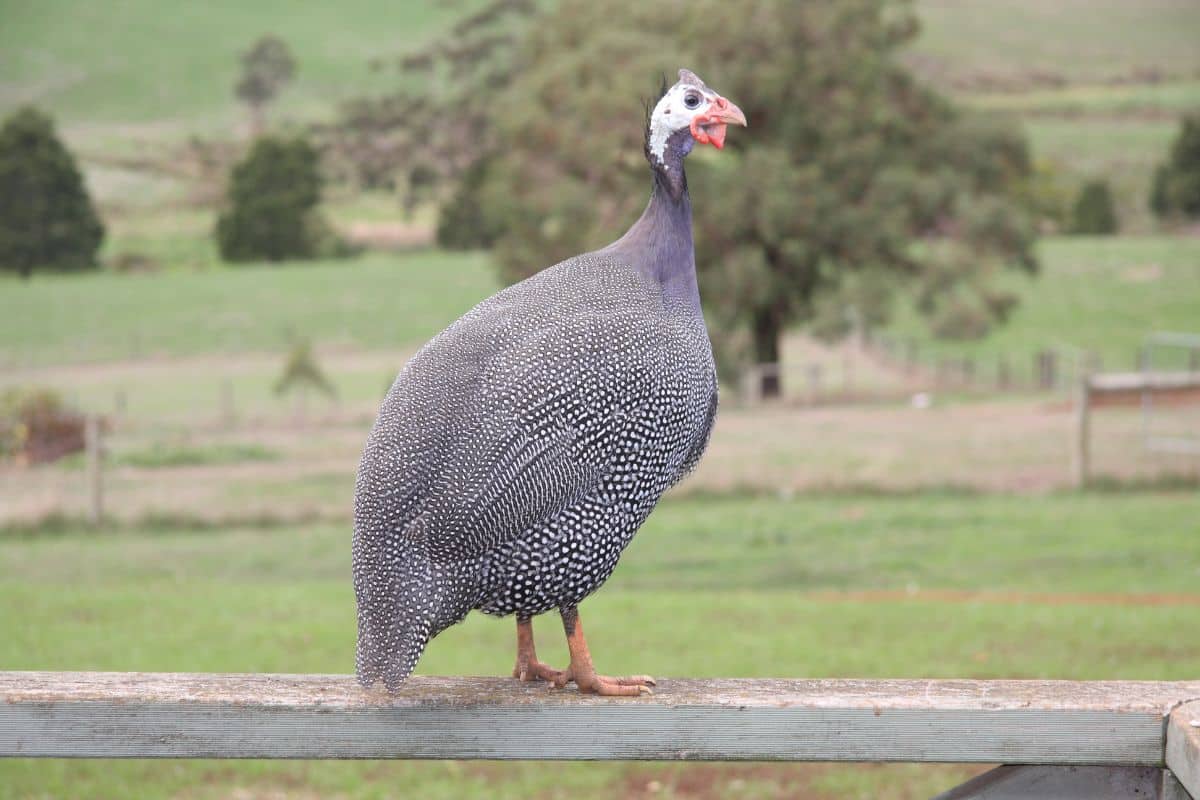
[
  {"x": 1176, "y": 186},
  {"x": 1093, "y": 212},
  {"x": 46, "y": 216},
  {"x": 273, "y": 195}
]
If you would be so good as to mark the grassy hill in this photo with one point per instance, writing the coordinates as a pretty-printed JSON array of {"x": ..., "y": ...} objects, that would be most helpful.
[
  {"x": 171, "y": 65},
  {"x": 376, "y": 301},
  {"x": 138, "y": 61},
  {"x": 1022, "y": 44},
  {"x": 1099, "y": 82},
  {"x": 1096, "y": 293}
]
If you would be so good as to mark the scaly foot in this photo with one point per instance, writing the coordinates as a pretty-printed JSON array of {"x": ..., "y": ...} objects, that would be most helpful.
[
  {"x": 534, "y": 670},
  {"x": 591, "y": 683}
]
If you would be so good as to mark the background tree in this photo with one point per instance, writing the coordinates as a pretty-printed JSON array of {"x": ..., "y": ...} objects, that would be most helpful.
[
  {"x": 1176, "y": 187},
  {"x": 851, "y": 182},
  {"x": 267, "y": 67},
  {"x": 46, "y": 216},
  {"x": 435, "y": 126},
  {"x": 1093, "y": 212},
  {"x": 273, "y": 195}
]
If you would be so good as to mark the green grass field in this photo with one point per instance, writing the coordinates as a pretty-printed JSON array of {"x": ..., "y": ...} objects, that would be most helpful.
[
  {"x": 378, "y": 301},
  {"x": 138, "y": 61},
  {"x": 160, "y": 75},
  {"x": 173, "y": 66},
  {"x": 867, "y": 583},
  {"x": 1023, "y": 42},
  {"x": 1097, "y": 293},
  {"x": 1081, "y": 586},
  {"x": 1102, "y": 294}
]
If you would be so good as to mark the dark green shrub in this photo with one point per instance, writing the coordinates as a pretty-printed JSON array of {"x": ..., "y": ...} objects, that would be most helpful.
[
  {"x": 1093, "y": 212},
  {"x": 273, "y": 196},
  {"x": 462, "y": 224},
  {"x": 1176, "y": 186},
  {"x": 46, "y": 216}
]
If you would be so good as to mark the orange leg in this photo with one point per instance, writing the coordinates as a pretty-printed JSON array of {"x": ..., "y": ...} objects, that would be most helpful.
[
  {"x": 584, "y": 674},
  {"x": 528, "y": 668}
]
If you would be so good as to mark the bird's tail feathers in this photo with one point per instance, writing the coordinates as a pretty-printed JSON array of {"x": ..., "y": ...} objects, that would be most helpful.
[{"x": 396, "y": 605}]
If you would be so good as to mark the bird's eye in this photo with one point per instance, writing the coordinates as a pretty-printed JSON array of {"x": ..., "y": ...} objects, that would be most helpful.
[{"x": 691, "y": 100}]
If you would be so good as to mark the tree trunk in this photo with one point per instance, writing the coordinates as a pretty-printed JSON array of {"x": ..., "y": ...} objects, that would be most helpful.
[
  {"x": 258, "y": 119},
  {"x": 765, "y": 329}
]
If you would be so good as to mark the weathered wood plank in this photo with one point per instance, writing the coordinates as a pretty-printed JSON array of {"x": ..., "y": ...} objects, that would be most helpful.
[
  {"x": 1143, "y": 381},
  {"x": 1183, "y": 746},
  {"x": 329, "y": 716}
]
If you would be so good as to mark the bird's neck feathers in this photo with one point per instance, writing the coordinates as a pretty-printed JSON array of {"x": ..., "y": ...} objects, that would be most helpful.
[{"x": 659, "y": 244}]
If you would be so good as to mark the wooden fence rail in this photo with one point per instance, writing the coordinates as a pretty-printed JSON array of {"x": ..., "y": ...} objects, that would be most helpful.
[{"x": 1108, "y": 731}]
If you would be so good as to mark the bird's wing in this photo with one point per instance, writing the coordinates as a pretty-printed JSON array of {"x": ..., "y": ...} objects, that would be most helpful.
[{"x": 549, "y": 416}]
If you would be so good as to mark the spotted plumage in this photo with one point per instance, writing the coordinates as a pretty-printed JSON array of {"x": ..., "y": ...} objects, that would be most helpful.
[{"x": 517, "y": 454}]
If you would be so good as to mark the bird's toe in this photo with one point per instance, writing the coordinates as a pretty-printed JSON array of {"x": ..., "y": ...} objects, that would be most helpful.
[
  {"x": 537, "y": 671},
  {"x": 633, "y": 680}
]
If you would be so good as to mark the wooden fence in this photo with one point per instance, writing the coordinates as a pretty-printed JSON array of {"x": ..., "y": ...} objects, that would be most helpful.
[
  {"x": 1063, "y": 739},
  {"x": 1123, "y": 388}
]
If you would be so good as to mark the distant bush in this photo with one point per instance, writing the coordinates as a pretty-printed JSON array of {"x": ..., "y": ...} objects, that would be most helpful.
[
  {"x": 1176, "y": 186},
  {"x": 1093, "y": 212},
  {"x": 37, "y": 427},
  {"x": 131, "y": 262},
  {"x": 273, "y": 197},
  {"x": 1047, "y": 193},
  {"x": 462, "y": 224},
  {"x": 46, "y": 216}
]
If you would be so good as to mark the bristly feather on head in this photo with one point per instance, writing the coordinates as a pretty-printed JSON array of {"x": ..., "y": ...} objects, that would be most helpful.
[{"x": 648, "y": 104}]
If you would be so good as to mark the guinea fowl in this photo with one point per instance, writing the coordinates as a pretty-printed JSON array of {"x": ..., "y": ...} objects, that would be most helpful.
[{"x": 519, "y": 451}]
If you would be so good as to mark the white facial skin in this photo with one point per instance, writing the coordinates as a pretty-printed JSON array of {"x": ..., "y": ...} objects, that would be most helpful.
[{"x": 673, "y": 113}]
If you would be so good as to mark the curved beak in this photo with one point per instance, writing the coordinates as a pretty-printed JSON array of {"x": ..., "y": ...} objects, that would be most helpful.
[
  {"x": 709, "y": 128},
  {"x": 727, "y": 112}
]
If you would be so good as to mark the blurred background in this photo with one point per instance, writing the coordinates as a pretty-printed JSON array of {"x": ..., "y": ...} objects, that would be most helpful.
[{"x": 225, "y": 227}]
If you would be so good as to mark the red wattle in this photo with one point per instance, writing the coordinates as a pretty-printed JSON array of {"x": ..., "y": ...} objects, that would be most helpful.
[{"x": 716, "y": 136}]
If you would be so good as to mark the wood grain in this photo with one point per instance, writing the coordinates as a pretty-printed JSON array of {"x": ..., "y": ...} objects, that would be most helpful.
[{"x": 329, "y": 716}]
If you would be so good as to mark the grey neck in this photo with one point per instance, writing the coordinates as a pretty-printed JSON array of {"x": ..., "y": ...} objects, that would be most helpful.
[{"x": 659, "y": 244}]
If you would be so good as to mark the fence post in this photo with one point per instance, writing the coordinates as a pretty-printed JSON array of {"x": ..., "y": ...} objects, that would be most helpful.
[
  {"x": 1047, "y": 370},
  {"x": 228, "y": 413},
  {"x": 95, "y": 466},
  {"x": 968, "y": 371},
  {"x": 813, "y": 373},
  {"x": 1082, "y": 454}
]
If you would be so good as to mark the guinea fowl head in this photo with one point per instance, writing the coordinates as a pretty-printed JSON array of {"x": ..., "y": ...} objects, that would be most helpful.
[
  {"x": 687, "y": 113},
  {"x": 659, "y": 244}
]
